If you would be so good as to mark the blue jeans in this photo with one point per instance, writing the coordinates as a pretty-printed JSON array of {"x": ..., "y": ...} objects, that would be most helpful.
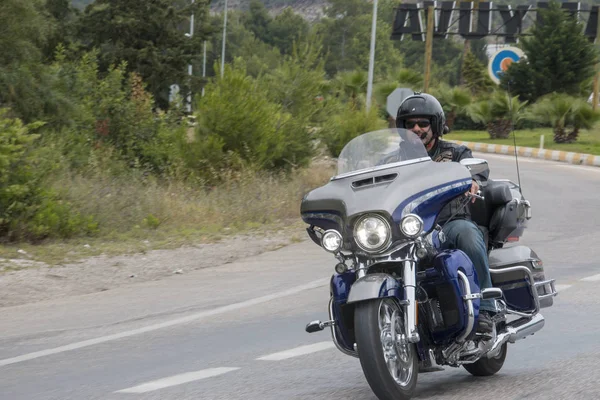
[{"x": 464, "y": 235}]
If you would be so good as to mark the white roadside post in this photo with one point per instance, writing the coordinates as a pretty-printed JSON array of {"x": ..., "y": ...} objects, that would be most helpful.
[{"x": 372, "y": 56}]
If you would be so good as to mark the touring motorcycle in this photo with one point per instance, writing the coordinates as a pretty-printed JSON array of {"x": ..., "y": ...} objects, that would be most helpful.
[{"x": 399, "y": 302}]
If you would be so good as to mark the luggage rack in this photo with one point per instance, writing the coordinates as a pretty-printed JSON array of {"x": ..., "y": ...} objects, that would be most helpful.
[{"x": 547, "y": 284}]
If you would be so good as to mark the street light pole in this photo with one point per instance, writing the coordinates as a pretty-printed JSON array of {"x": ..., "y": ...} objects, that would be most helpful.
[
  {"x": 224, "y": 38},
  {"x": 191, "y": 34},
  {"x": 204, "y": 67},
  {"x": 372, "y": 56}
]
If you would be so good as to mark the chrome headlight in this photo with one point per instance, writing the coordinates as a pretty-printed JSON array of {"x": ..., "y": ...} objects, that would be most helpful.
[
  {"x": 332, "y": 241},
  {"x": 372, "y": 233},
  {"x": 411, "y": 225}
]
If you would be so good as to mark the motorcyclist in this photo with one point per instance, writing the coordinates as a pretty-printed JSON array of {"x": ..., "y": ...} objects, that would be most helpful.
[{"x": 423, "y": 114}]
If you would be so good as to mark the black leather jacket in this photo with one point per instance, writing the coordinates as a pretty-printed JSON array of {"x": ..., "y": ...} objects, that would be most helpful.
[{"x": 444, "y": 151}]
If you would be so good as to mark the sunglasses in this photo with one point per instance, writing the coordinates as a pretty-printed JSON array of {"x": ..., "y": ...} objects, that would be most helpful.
[{"x": 422, "y": 124}]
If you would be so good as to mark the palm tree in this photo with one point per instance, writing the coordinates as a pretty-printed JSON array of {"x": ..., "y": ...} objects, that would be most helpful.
[
  {"x": 402, "y": 78},
  {"x": 351, "y": 83},
  {"x": 409, "y": 79},
  {"x": 499, "y": 113},
  {"x": 454, "y": 100},
  {"x": 567, "y": 115}
]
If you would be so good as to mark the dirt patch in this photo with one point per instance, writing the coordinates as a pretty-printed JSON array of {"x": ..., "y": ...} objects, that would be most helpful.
[{"x": 24, "y": 281}]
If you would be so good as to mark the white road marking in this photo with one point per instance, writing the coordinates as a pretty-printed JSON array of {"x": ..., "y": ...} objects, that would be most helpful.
[
  {"x": 593, "y": 278},
  {"x": 176, "y": 380},
  {"x": 167, "y": 324},
  {"x": 298, "y": 351},
  {"x": 560, "y": 288}
]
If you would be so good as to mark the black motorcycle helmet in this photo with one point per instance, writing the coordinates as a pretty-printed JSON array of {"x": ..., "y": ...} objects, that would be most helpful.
[{"x": 426, "y": 106}]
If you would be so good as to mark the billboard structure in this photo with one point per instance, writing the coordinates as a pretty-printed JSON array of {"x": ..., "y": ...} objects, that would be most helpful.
[
  {"x": 446, "y": 18},
  {"x": 502, "y": 20}
]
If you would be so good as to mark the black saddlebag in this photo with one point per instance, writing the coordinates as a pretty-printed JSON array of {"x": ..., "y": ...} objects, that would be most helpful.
[{"x": 515, "y": 282}]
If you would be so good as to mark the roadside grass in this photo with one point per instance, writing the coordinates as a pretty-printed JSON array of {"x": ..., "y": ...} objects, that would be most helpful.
[
  {"x": 588, "y": 141},
  {"x": 135, "y": 217}
]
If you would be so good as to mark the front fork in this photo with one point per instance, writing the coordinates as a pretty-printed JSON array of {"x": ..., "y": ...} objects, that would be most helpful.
[{"x": 409, "y": 278}]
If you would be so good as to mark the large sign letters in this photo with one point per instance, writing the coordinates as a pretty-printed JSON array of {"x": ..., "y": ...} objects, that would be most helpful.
[{"x": 409, "y": 19}]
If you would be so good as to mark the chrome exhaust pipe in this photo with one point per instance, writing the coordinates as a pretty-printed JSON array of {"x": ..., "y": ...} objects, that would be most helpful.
[
  {"x": 520, "y": 328},
  {"x": 517, "y": 330}
]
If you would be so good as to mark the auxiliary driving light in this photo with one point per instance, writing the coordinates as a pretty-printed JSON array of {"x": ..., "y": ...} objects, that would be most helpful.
[
  {"x": 411, "y": 225},
  {"x": 341, "y": 268},
  {"x": 332, "y": 241}
]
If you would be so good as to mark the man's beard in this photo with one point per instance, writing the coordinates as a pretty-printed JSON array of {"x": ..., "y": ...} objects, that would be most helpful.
[{"x": 428, "y": 141}]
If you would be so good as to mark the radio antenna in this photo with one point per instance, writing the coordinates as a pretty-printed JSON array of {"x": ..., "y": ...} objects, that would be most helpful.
[{"x": 512, "y": 130}]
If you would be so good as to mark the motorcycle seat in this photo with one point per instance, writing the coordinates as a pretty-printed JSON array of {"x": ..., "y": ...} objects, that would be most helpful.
[{"x": 486, "y": 213}]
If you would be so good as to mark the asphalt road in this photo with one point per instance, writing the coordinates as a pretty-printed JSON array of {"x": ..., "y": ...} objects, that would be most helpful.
[{"x": 237, "y": 331}]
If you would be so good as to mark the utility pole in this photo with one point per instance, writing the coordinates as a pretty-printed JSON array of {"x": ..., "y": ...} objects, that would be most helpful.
[
  {"x": 467, "y": 45},
  {"x": 372, "y": 56},
  {"x": 224, "y": 39},
  {"x": 428, "y": 48}
]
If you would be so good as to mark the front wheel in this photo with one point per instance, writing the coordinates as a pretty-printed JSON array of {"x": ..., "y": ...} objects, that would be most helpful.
[{"x": 389, "y": 363}]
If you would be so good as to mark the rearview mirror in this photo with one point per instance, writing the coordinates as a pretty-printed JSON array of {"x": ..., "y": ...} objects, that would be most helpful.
[{"x": 475, "y": 165}]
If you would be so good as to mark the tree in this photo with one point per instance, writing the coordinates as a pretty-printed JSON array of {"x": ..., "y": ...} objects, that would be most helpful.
[
  {"x": 475, "y": 75},
  {"x": 257, "y": 21},
  {"x": 287, "y": 28},
  {"x": 26, "y": 86},
  {"x": 346, "y": 33},
  {"x": 23, "y": 31},
  {"x": 149, "y": 36},
  {"x": 298, "y": 81},
  {"x": 239, "y": 124},
  {"x": 558, "y": 57},
  {"x": 446, "y": 56},
  {"x": 64, "y": 18},
  {"x": 241, "y": 42}
]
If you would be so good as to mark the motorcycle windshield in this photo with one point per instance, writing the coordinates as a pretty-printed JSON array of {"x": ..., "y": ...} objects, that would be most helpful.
[{"x": 380, "y": 150}]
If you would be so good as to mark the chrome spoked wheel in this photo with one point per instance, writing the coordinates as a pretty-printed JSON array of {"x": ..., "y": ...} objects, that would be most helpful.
[
  {"x": 396, "y": 350},
  {"x": 388, "y": 361}
]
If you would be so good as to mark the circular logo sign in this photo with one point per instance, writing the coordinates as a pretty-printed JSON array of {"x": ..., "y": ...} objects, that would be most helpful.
[{"x": 500, "y": 61}]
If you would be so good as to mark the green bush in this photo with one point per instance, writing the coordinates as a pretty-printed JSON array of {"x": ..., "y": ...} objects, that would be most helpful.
[
  {"x": 18, "y": 186},
  {"x": 56, "y": 219},
  {"x": 113, "y": 115},
  {"x": 28, "y": 210}
]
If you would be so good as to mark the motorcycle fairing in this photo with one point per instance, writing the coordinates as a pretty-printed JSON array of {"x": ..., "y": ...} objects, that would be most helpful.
[
  {"x": 427, "y": 203},
  {"x": 423, "y": 188}
]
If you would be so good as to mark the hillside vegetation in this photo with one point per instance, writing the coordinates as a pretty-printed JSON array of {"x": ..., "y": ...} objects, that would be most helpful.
[{"x": 96, "y": 141}]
